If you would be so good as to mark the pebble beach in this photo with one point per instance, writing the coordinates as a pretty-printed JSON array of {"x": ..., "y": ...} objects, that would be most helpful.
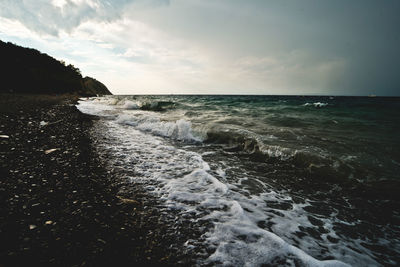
[{"x": 59, "y": 206}]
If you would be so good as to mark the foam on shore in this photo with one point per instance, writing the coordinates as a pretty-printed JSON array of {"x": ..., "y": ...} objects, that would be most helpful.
[{"x": 247, "y": 228}]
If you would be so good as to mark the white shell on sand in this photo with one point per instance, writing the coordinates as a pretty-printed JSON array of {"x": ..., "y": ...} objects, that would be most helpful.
[{"x": 48, "y": 151}]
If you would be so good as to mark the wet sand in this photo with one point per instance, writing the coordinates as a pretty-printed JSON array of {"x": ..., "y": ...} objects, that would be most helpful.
[{"x": 59, "y": 204}]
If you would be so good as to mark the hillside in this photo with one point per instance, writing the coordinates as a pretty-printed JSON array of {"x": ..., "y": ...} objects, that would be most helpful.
[
  {"x": 26, "y": 70},
  {"x": 93, "y": 86}
]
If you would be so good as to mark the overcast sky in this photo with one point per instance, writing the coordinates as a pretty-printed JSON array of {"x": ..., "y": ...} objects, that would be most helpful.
[{"x": 336, "y": 47}]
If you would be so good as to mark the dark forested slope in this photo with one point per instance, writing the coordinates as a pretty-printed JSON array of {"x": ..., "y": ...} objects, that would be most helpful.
[{"x": 26, "y": 70}]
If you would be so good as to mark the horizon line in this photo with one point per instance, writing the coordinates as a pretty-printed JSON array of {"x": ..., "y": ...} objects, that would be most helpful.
[{"x": 299, "y": 95}]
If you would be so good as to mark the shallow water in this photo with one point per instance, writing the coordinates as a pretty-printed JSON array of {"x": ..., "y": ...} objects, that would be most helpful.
[{"x": 268, "y": 179}]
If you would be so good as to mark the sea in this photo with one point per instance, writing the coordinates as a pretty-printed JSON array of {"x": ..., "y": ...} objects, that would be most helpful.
[{"x": 264, "y": 180}]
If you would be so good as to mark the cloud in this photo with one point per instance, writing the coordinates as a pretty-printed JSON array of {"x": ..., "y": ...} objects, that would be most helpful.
[
  {"x": 141, "y": 54},
  {"x": 201, "y": 46},
  {"x": 51, "y": 17},
  {"x": 295, "y": 72}
]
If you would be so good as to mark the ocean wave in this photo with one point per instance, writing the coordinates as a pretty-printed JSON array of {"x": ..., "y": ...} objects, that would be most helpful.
[
  {"x": 146, "y": 105},
  {"x": 249, "y": 142},
  {"x": 131, "y": 103},
  {"x": 179, "y": 130},
  {"x": 318, "y": 163},
  {"x": 234, "y": 138},
  {"x": 316, "y": 104},
  {"x": 156, "y": 105},
  {"x": 239, "y": 224},
  {"x": 186, "y": 183},
  {"x": 95, "y": 106}
]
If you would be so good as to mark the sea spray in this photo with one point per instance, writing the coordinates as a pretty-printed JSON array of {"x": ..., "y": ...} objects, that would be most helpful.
[{"x": 288, "y": 183}]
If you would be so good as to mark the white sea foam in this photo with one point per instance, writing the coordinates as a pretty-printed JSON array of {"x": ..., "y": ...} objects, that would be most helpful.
[
  {"x": 237, "y": 239},
  {"x": 130, "y": 105},
  {"x": 256, "y": 246},
  {"x": 95, "y": 106},
  {"x": 142, "y": 120},
  {"x": 277, "y": 151},
  {"x": 187, "y": 183},
  {"x": 316, "y": 104},
  {"x": 179, "y": 130}
]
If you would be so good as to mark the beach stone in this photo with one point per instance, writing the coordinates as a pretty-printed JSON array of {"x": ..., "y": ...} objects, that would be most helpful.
[{"x": 71, "y": 222}]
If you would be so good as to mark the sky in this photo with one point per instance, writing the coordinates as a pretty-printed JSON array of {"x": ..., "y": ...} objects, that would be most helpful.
[{"x": 280, "y": 47}]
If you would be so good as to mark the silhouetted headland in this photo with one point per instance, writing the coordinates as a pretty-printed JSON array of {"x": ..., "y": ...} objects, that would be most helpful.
[{"x": 27, "y": 70}]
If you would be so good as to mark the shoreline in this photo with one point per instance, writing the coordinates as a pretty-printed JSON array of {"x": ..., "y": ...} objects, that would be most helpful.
[
  {"x": 60, "y": 206},
  {"x": 75, "y": 195}
]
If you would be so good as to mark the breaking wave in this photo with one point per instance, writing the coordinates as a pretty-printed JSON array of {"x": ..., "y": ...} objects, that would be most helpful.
[
  {"x": 179, "y": 130},
  {"x": 129, "y": 103},
  {"x": 273, "y": 181},
  {"x": 264, "y": 148},
  {"x": 187, "y": 184},
  {"x": 316, "y": 104}
]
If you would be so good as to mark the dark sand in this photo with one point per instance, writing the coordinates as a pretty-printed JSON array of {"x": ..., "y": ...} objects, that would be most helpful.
[{"x": 63, "y": 208}]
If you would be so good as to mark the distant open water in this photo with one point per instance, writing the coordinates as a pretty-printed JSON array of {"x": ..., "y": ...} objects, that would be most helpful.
[{"x": 279, "y": 180}]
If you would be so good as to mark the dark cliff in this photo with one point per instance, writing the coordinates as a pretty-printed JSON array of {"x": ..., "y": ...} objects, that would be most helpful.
[
  {"x": 94, "y": 87},
  {"x": 26, "y": 70}
]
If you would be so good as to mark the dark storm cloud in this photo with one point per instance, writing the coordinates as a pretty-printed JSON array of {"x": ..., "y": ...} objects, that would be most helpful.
[
  {"x": 288, "y": 47},
  {"x": 363, "y": 35}
]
